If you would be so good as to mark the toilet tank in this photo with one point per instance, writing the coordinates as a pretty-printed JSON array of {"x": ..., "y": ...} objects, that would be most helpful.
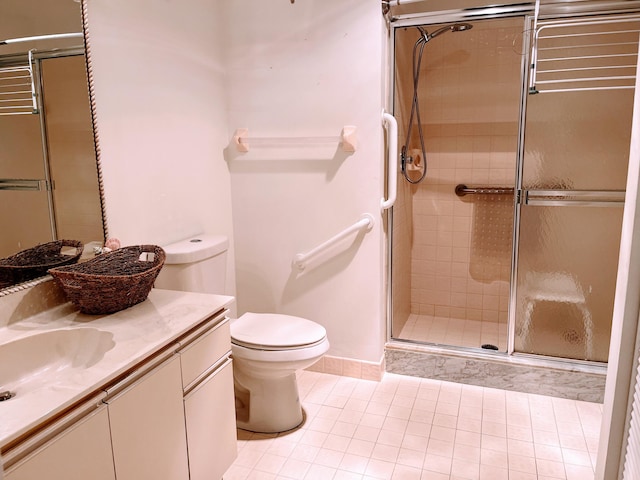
[{"x": 197, "y": 264}]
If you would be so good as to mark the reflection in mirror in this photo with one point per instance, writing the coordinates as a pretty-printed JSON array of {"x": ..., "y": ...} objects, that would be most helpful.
[{"x": 49, "y": 176}]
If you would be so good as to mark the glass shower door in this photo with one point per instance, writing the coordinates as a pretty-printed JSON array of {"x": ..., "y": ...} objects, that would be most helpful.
[{"x": 576, "y": 149}]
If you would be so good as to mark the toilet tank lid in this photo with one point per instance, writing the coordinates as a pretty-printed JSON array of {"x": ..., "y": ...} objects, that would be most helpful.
[{"x": 196, "y": 248}]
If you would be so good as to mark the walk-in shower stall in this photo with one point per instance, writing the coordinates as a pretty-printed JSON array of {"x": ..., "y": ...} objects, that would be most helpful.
[{"x": 519, "y": 120}]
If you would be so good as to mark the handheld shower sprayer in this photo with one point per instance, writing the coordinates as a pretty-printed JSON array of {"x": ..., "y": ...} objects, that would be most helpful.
[{"x": 420, "y": 161}]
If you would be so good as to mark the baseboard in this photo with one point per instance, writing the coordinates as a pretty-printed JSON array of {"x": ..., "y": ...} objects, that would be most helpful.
[{"x": 348, "y": 367}]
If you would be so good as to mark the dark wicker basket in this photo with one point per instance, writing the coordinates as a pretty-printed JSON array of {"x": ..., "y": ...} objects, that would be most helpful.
[
  {"x": 34, "y": 262},
  {"x": 112, "y": 281}
]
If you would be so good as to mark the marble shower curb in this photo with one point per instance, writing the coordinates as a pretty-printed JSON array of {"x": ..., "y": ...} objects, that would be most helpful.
[{"x": 543, "y": 380}]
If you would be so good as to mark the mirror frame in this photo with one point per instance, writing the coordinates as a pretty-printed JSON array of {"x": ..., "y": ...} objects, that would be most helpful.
[{"x": 96, "y": 141}]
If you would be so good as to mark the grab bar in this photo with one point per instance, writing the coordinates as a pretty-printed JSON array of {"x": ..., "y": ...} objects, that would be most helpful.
[
  {"x": 391, "y": 124},
  {"x": 365, "y": 223},
  {"x": 52, "y": 36},
  {"x": 462, "y": 190}
]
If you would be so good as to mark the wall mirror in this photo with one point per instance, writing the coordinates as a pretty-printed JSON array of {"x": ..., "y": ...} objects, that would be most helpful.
[{"x": 49, "y": 168}]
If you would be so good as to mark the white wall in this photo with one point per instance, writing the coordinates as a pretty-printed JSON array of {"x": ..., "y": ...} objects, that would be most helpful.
[
  {"x": 160, "y": 102},
  {"x": 163, "y": 73},
  {"x": 308, "y": 69}
]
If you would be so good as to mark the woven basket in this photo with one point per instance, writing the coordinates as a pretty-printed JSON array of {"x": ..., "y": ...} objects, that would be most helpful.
[
  {"x": 112, "y": 281},
  {"x": 34, "y": 262}
]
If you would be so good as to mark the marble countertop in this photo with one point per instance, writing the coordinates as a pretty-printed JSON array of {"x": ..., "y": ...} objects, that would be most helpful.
[{"x": 111, "y": 345}]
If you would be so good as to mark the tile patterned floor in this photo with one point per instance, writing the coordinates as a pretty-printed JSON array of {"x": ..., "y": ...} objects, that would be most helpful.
[
  {"x": 412, "y": 428},
  {"x": 454, "y": 331}
]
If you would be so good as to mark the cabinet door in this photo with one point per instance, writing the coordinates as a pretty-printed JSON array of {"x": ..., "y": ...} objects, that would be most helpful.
[
  {"x": 147, "y": 427},
  {"x": 81, "y": 452},
  {"x": 211, "y": 425}
]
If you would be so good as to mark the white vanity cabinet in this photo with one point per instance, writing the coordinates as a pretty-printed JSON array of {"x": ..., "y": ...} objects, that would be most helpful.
[
  {"x": 168, "y": 416},
  {"x": 178, "y": 420},
  {"x": 147, "y": 426},
  {"x": 82, "y": 451},
  {"x": 209, "y": 403}
]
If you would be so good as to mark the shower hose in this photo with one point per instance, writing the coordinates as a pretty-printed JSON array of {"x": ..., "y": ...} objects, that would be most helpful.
[{"x": 415, "y": 115}]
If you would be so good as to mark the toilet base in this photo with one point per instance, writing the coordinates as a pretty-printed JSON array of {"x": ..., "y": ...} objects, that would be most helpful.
[{"x": 267, "y": 405}]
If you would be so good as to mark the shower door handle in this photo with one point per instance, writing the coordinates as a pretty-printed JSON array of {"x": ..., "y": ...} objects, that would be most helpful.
[
  {"x": 573, "y": 198},
  {"x": 391, "y": 125}
]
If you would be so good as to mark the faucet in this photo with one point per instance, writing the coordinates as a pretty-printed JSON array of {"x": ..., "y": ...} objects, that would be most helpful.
[{"x": 5, "y": 395}]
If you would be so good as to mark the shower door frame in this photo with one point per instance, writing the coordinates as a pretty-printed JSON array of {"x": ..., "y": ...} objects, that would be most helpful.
[
  {"x": 606, "y": 199},
  {"x": 526, "y": 12},
  {"x": 448, "y": 17}
]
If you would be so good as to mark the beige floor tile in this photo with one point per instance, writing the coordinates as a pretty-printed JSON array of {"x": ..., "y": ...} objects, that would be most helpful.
[{"x": 406, "y": 428}]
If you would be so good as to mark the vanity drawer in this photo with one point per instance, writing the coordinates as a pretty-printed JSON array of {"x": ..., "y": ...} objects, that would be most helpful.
[{"x": 197, "y": 357}]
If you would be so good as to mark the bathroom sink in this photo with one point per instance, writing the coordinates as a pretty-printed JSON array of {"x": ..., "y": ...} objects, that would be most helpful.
[{"x": 50, "y": 358}]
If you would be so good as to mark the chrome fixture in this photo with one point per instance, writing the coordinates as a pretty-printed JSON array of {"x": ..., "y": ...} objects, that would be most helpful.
[
  {"x": 6, "y": 395},
  {"x": 461, "y": 190},
  {"x": 456, "y": 27},
  {"x": 53, "y": 36}
]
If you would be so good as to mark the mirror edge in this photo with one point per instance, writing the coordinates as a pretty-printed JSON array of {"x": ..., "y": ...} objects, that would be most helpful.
[
  {"x": 96, "y": 142},
  {"x": 94, "y": 120}
]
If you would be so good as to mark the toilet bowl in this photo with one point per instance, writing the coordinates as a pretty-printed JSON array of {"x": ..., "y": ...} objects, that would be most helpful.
[{"x": 267, "y": 349}]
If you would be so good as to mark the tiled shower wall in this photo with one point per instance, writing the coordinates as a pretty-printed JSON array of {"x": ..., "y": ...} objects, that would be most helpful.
[{"x": 469, "y": 102}]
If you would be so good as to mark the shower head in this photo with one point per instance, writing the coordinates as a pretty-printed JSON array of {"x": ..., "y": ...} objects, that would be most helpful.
[{"x": 456, "y": 27}]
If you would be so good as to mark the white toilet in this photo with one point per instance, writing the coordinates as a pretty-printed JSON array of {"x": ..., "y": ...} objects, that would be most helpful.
[{"x": 267, "y": 348}]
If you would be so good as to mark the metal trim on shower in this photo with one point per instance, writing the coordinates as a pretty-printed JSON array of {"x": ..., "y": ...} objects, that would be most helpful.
[{"x": 53, "y": 36}]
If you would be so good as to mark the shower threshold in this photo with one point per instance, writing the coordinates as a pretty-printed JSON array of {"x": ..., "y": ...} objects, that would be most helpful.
[{"x": 561, "y": 378}]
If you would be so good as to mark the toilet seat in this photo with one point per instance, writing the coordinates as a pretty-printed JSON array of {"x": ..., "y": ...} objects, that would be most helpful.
[{"x": 276, "y": 332}]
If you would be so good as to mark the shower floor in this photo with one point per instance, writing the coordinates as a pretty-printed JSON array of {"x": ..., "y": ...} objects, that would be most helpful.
[{"x": 454, "y": 331}]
